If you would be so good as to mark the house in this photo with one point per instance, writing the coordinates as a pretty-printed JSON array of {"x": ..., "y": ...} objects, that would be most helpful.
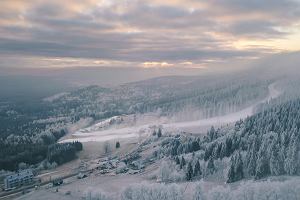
[{"x": 21, "y": 178}]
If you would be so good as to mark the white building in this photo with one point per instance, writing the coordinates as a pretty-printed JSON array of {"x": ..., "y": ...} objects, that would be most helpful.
[{"x": 23, "y": 177}]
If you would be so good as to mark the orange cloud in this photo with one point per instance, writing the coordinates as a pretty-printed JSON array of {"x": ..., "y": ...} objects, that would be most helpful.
[{"x": 157, "y": 64}]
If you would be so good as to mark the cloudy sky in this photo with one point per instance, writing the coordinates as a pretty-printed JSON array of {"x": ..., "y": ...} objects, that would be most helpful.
[{"x": 145, "y": 33}]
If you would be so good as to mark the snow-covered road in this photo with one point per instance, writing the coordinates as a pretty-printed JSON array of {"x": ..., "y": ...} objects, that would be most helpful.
[{"x": 198, "y": 126}]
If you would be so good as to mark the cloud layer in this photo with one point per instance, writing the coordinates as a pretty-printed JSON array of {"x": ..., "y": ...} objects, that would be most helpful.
[{"x": 147, "y": 33}]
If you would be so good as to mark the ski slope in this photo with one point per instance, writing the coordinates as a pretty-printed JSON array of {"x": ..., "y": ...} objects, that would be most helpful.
[
  {"x": 198, "y": 126},
  {"x": 225, "y": 119}
]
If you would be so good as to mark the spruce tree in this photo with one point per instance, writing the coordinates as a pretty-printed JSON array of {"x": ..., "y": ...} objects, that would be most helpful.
[
  {"x": 159, "y": 133},
  {"x": 118, "y": 145},
  {"x": 231, "y": 172},
  {"x": 182, "y": 163},
  {"x": 223, "y": 150},
  {"x": 197, "y": 169},
  {"x": 236, "y": 170},
  {"x": 211, "y": 134},
  {"x": 239, "y": 167},
  {"x": 154, "y": 133},
  {"x": 210, "y": 168},
  {"x": 251, "y": 159},
  {"x": 195, "y": 146},
  {"x": 177, "y": 160},
  {"x": 262, "y": 163},
  {"x": 292, "y": 158},
  {"x": 228, "y": 146},
  {"x": 189, "y": 173},
  {"x": 275, "y": 161}
]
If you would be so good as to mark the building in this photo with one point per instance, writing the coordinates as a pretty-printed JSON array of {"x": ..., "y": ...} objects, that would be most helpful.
[{"x": 23, "y": 177}]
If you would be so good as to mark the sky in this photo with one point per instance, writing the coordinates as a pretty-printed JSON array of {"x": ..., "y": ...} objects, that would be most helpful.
[{"x": 145, "y": 33}]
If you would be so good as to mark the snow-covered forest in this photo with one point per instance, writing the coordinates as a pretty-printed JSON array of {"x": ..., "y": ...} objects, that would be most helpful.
[
  {"x": 266, "y": 144},
  {"x": 168, "y": 96},
  {"x": 176, "y": 98},
  {"x": 256, "y": 158}
]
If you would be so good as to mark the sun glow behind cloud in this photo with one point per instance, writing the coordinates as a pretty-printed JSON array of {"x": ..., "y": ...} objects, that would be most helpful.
[{"x": 157, "y": 64}]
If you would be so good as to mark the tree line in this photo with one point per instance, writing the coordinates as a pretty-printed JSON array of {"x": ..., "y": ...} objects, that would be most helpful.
[{"x": 265, "y": 144}]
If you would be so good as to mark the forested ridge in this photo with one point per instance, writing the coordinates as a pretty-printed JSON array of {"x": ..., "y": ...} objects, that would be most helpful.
[
  {"x": 263, "y": 147},
  {"x": 27, "y": 130},
  {"x": 265, "y": 144}
]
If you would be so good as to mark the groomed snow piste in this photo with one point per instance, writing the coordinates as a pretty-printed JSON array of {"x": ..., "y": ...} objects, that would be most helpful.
[{"x": 198, "y": 126}]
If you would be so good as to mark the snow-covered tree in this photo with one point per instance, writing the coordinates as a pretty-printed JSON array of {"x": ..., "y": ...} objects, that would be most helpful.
[
  {"x": 236, "y": 170},
  {"x": 197, "y": 169},
  {"x": 292, "y": 158},
  {"x": 262, "y": 163},
  {"x": 276, "y": 162},
  {"x": 152, "y": 192},
  {"x": 210, "y": 167},
  {"x": 189, "y": 172},
  {"x": 182, "y": 162}
]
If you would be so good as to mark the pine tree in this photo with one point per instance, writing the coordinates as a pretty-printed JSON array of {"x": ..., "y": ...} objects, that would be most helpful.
[
  {"x": 223, "y": 150},
  {"x": 275, "y": 161},
  {"x": 228, "y": 146},
  {"x": 174, "y": 150},
  {"x": 197, "y": 169},
  {"x": 154, "y": 133},
  {"x": 189, "y": 173},
  {"x": 231, "y": 172},
  {"x": 210, "y": 168},
  {"x": 208, "y": 151},
  {"x": 236, "y": 170},
  {"x": 292, "y": 158},
  {"x": 262, "y": 163},
  {"x": 118, "y": 145},
  {"x": 182, "y": 163},
  {"x": 179, "y": 149},
  {"x": 195, "y": 146},
  {"x": 251, "y": 157},
  {"x": 159, "y": 133},
  {"x": 177, "y": 160},
  {"x": 239, "y": 167},
  {"x": 211, "y": 134},
  {"x": 216, "y": 151}
]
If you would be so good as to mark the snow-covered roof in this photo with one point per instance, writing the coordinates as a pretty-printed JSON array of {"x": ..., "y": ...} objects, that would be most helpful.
[{"x": 20, "y": 175}]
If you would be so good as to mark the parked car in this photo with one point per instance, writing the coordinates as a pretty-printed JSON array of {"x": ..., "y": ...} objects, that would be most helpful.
[{"x": 57, "y": 182}]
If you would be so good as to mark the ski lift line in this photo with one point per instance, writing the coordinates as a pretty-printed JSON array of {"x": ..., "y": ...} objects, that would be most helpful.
[{"x": 186, "y": 187}]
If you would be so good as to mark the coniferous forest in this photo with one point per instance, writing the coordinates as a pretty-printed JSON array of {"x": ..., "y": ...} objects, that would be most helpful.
[{"x": 266, "y": 144}]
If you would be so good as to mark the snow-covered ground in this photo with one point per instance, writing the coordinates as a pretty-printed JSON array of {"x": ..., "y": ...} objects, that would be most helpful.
[
  {"x": 225, "y": 119},
  {"x": 198, "y": 126},
  {"x": 103, "y": 124}
]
